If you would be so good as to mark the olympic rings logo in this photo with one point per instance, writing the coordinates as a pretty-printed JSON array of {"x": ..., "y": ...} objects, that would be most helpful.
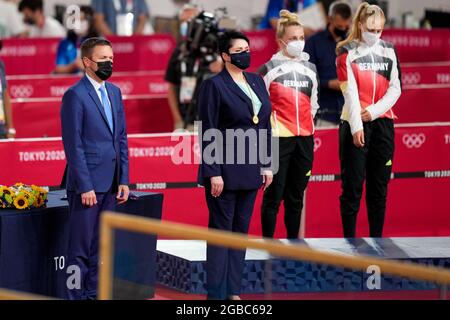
[
  {"x": 160, "y": 47},
  {"x": 317, "y": 144},
  {"x": 158, "y": 87},
  {"x": 414, "y": 140},
  {"x": 126, "y": 87},
  {"x": 258, "y": 43},
  {"x": 124, "y": 47},
  {"x": 21, "y": 91},
  {"x": 411, "y": 78}
]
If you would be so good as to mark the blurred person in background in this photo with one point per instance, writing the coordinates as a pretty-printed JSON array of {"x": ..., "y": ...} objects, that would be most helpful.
[
  {"x": 173, "y": 71},
  {"x": 11, "y": 24},
  {"x": 68, "y": 58},
  {"x": 321, "y": 48},
  {"x": 121, "y": 17},
  {"x": 39, "y": 25},
  {"x": 180, "y": 67},
  {"x": 6, "y": 120},
  {"x": 270, "y": 19}
]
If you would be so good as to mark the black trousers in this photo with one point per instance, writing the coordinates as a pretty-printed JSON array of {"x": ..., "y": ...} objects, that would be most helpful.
[
  {"x": 231, "y": 211},
  {"x": 289, "y": 184},
  {"x": 372, "y": 164},
  {"x": 2, "y": 130}
]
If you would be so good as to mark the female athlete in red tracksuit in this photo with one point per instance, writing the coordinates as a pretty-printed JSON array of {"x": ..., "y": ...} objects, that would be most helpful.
[
  {"x": 369, "y": 76},
  {"x": 293, "y": 84}
]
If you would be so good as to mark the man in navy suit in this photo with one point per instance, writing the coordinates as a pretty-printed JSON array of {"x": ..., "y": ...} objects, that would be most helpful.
[{"x": 95, "y": 142}]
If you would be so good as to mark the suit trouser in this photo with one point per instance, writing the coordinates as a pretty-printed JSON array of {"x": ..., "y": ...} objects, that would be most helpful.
[
  {"x": 2, "y": 129},
  {"x": 372, "y": 163},
  {"x": 84, "y": 240},
  {"x": 289, "y": 184},
  {"x": 231, "y": 211}
]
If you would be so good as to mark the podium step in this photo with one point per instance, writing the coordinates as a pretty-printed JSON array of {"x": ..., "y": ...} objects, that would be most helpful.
[{"x": 181, "y": 266}]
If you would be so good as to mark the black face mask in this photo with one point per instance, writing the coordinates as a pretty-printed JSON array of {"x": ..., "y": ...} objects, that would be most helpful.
[
  {"x": 340, "y": 33},
  {"x": 105, "y": 69},
  {"x": 241, "y": 59},
  {"x": 29, "y": 21}
]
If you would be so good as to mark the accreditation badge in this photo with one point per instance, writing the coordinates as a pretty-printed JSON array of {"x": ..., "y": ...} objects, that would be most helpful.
[
  {"x": 124, "y": 18},
  {"x": 124, "y": 23},
  {"x": 187, "y": 89}
]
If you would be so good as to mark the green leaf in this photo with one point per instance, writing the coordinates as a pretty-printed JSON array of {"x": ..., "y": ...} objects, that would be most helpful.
[{"x": 8, "y": 198}]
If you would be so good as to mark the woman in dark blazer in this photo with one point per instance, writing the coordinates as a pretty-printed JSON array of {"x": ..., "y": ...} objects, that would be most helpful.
[{"x": 234, "y": 109}]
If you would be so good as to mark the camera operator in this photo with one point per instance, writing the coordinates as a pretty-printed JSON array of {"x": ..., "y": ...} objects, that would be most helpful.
[{"x": 194, "y": 59}]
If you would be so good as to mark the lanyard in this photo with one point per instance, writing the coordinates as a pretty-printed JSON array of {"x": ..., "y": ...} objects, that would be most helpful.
[
  {"x": 184, "y": 68},
  {"x": 250, "y": 92},
  {"x": 119, "y": 8}
]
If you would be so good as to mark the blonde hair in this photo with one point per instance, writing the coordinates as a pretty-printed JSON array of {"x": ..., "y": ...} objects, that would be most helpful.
[
  {"x": 287, "y": 19},
  {"x": 363, "y": 13}
]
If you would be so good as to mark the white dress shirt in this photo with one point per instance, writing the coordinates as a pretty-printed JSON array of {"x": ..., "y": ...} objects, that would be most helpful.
[{"x": 97, "y": 89}]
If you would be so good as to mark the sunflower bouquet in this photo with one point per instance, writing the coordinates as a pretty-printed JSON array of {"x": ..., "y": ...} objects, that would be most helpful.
[{"x": 21, "y": 196}]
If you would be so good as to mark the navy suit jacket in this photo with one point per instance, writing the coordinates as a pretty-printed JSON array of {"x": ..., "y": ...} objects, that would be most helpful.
[
  {"x": 95, "y": 155},
  {"x": 223, "y": 105}
]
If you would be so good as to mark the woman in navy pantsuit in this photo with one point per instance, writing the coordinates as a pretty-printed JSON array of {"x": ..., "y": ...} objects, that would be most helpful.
[{"x": 233, "y": 106}]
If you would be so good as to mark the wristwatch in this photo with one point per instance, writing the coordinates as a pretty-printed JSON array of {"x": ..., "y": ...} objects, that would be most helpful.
[{"x": 12, "y": 131}]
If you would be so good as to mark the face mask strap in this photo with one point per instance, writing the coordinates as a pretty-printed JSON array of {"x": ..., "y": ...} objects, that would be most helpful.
[
  {"x": 97, "y": 62},
  {"x": 286, "y": 44}
]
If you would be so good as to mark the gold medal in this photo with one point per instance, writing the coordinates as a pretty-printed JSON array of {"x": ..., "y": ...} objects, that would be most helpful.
[{"x": 255, "y": 117}]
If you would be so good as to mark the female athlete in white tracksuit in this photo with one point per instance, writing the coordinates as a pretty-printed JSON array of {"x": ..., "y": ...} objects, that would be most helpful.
[
  {"x": 369, "y": 76},
  {"x": 293, "y": 85}
]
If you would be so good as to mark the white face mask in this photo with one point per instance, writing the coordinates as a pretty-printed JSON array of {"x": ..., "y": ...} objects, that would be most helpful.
[
  {"x": 295, "y": 48},
  {"x": 184, "y": 27},
  {"x": 371, "y": 38},
  {"x": 84, "y": 28}
]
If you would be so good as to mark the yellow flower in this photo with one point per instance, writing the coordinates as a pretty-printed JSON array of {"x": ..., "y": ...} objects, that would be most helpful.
[
  {"x": 5, "y": 190},
  {"x": 21, "y": 202},
  {"x": 8, "y": 198},
  {"x": 38, "y": 189},
  {"x": 29, "y": 196},
  {"x": 22, "y": 196}
]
